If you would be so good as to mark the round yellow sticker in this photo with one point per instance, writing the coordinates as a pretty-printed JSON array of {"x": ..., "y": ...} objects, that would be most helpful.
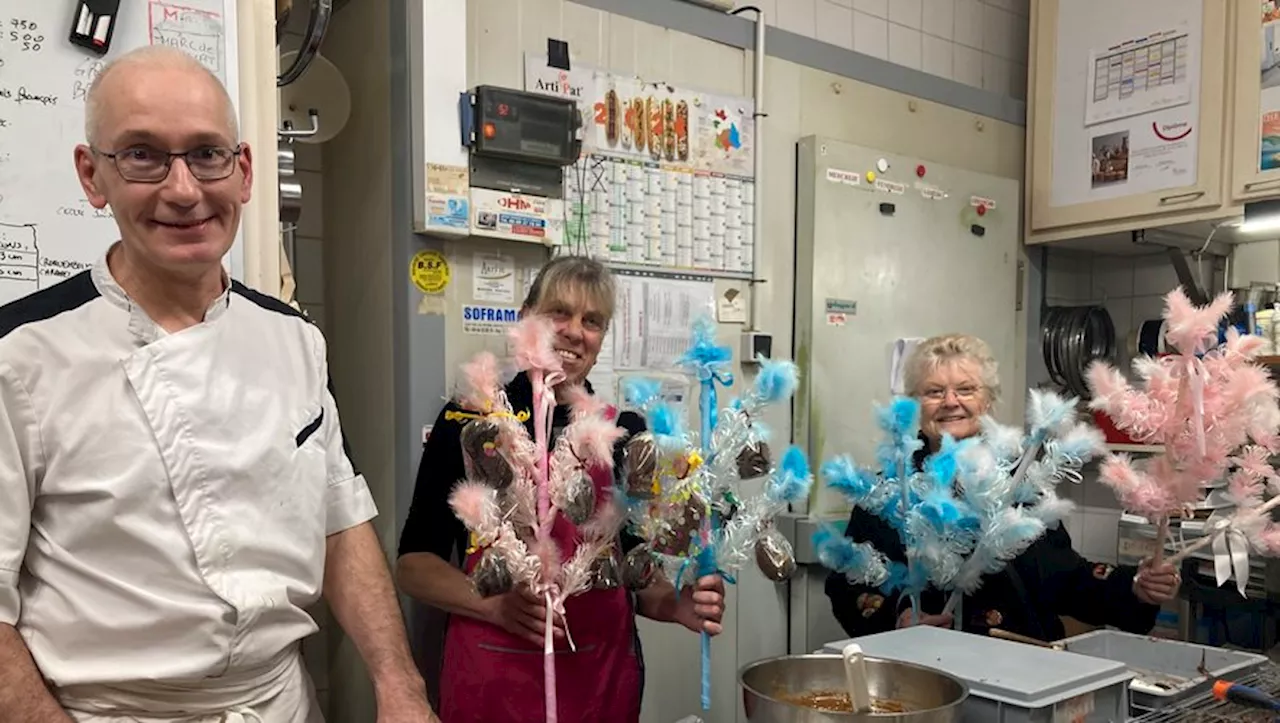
[{"x": 429, "y": 271}]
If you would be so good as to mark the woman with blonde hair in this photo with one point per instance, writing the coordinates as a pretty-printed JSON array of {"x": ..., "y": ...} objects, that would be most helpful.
[
  {"x": 493, "y": 668},
  {"x": 956, "y": 379}
]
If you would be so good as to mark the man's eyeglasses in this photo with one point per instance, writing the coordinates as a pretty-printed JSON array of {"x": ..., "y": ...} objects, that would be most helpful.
[
  {"x": 144, "y": 164},
  {"x": 964, "y": 393}
]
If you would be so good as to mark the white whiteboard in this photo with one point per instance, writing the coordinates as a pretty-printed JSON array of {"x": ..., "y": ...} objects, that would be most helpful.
[{"x": 48, "y": 230}]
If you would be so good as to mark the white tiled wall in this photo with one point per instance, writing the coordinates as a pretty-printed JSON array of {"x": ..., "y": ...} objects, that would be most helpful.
[
  {"x": 1132, "y": 289},
  {"x": 982, "y": 43}
]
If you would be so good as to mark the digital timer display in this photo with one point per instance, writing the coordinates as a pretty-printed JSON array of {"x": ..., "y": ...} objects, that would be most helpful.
[{"x": 527, "y": 127}]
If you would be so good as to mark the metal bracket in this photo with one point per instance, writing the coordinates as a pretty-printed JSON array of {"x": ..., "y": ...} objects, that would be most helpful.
[
  {"x": 287, "y": 132},
  {"x": 1178, "y": 257},
  {"x": 1197, "y": 295}
]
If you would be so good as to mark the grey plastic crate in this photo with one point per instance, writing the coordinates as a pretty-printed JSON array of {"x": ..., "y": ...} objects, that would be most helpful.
[
  {"x": 1165, "y": 671},
  {"x": 1011, "y": 682}
]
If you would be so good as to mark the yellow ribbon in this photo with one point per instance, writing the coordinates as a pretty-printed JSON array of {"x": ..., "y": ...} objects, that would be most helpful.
[
  {"x": 452, "y": 416},
  {"x": 695, "y": 461},
  {"x": 477, "y": 543}
]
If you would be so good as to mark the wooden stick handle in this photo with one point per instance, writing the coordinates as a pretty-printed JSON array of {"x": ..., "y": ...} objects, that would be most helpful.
[
  {"x": 1162, "y": 532},
  {"x": 1016, "y": 638},
  {"x": 1185, "y": 552}
]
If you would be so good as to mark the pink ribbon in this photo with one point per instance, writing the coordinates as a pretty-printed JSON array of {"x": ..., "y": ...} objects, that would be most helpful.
[
  {"x": 549, "y": 661},
  {"x": 542, "y": 410}
]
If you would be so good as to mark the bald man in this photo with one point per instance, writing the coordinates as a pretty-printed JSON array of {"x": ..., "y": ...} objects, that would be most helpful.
[{"x": 174, "y": 487}]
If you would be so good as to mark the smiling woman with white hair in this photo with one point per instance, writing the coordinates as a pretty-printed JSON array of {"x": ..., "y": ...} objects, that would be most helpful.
[{"x": 956, "y": 379}]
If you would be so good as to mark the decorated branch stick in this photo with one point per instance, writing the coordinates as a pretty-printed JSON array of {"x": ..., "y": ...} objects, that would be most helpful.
[
  {"x": 975, "y": 505},
  {"x": 1246, "y": 523},
  {"x": 685, "y": 498},
  {"x": 1014, "y": 512},
  {"x": 536, "y": 355},
  {"x": 516, "y": 487},
  {"x": 709, "y": 363},
  {"x": 1211, "y": 407},
  {"x": 889, "y": 493}
]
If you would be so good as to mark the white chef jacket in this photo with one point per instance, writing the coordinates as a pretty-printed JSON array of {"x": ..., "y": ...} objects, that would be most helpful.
[{"x": 164, "y": 498}]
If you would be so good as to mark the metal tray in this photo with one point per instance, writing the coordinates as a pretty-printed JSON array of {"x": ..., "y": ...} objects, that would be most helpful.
[
  {"x": 1204, "y": 708},
  {"x": 1165, "y": 671}
]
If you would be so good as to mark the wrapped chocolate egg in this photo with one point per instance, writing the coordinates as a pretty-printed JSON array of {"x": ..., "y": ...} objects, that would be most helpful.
[
  {"x": 774, "y": 556},
  {"x": 685, "y": 526},
  {"x": 638, "y": 568},
  {"x": 490, "y": 576},
  {"x": 640, "y": 466},
  {"x": 754, "y": 461},
  {"x": 582, "y": 500},
  {"x": 482, "y": 453},
  {"x": 606, "y": 573}
]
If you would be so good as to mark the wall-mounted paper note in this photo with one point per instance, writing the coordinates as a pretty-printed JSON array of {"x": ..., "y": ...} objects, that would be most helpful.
[{"x": 902, "y": 349}]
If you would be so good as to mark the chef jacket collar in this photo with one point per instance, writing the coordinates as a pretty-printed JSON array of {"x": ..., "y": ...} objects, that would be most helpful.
[{"x": 144, "y": 329}]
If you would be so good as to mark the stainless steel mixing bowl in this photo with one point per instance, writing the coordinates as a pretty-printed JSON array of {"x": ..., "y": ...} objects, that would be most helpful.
[{"x": 930, "y": 696}]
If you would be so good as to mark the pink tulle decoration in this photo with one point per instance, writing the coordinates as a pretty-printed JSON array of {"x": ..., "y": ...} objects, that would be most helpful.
[
  {"x": 607, "y": 521},
  {"x": 1191, "y": 330},
  {"x": 1213, "y": 410},
  {"x": 593, "y": 439},
  {"x": 548, "y": 553},
  {"x": 481, "y": 383},
  {"x": 1137, "y": 490},
  {"x": 476, "y": 505},
  {"x": 533, "y": 340},
  {"x": 470, "y": 501},
  {"x": 584, "y": 404},
  {"x": 1269, "y": 541}
]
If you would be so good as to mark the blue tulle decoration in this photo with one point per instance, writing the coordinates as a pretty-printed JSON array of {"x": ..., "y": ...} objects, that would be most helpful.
[
  {"x": 705, "y": 358},
  {"x": 641, "y": 391},
  {"x": 971, "y": 506},
  {"x": 776, "y": 381},
  {"x": 859, "y": 561},
  {"x": 665, "y": 421},
  {"x": 840, "y": 475},
  {"x": 793, "y": 480}
]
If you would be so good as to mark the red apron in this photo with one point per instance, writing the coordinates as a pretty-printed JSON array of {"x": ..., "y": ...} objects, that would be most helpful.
[{"x": 491, "y": 676}]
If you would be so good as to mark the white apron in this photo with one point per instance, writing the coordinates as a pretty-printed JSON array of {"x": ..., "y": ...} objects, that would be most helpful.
[{"x": 280, "y": 692}]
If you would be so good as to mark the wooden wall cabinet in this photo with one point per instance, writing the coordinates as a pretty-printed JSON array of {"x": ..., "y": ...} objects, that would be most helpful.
[
  {"x": 1255, "y": 109},
  {"x": 1130, "y": 113}
]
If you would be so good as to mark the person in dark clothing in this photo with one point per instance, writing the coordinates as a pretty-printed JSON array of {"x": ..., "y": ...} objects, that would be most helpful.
[
  {"x": 493, "y": 657},
  {"x": 955, "y": 379}
]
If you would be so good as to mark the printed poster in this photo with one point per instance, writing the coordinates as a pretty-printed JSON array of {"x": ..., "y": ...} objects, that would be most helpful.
[
  {"x": 493, "y": 278},
  {"x": 652, "y": 122},
  {"x": 1144, "y": 73},
  {"x": 1269, "y": 136}
]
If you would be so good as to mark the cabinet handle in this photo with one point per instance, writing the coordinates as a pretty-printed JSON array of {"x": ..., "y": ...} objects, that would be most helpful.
[
  {"x": 1261, "y": 184},
  {"x": 1181, "y": 198}
]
